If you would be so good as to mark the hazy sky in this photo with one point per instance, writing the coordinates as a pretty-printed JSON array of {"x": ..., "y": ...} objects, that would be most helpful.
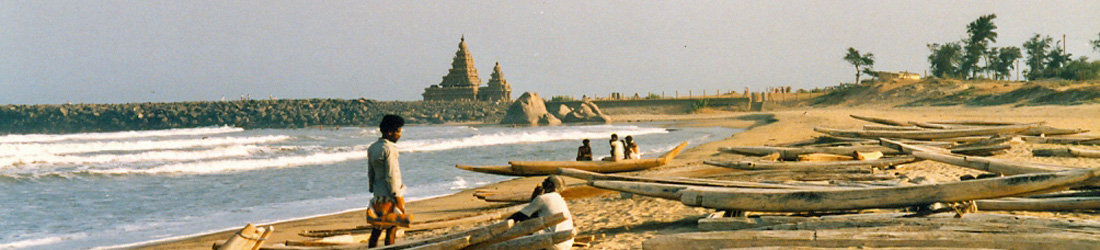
[{"x": 157, "y": 51}]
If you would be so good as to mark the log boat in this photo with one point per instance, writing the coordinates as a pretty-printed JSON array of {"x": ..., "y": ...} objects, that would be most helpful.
[
  {"x": 533, "y": 168},
  {"x": 775, "y": 165},
  {"x": 780, "y": 200},
  {"x": 927, "y": 134}
]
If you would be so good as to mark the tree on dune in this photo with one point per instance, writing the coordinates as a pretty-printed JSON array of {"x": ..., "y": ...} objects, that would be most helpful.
[
  {"x": 1001, "y": 61},
  {"x": 1036, "y": 48},
  {"x": 1096, "y": 43},
  {"x": 982, "y": 33},
  {"x": 862, "y": 62},
  {"x": 945, "y": 59}
]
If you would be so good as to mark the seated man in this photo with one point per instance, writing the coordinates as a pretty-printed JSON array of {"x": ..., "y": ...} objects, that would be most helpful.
[
  {"x": 548, "y": 203},
  {"x": 632, "y": 148},
  {"x": 584, "y": 152},
  {"x": 616, "y": 149}
]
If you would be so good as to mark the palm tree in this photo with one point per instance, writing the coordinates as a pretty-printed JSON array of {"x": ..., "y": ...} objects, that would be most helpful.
[
  {"x": 862, "y": 62},
  {"x": 1096, "y": 43},
  {"x": 982, "y": 33}
]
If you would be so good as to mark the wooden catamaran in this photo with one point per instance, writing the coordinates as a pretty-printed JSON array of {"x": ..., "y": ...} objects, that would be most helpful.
[{"x": 531, "y": 168}]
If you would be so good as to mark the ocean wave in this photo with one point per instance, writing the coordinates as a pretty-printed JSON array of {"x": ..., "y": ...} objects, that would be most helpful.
[
  {"x": 33, "y": 161},
  {"x": 8, "y": 150},
  {"x": 40, "y": 138},
  {"x": 41, "y": 241},
  {"x": 518, "y": 137},
  {"x": 236, "y": 165}
]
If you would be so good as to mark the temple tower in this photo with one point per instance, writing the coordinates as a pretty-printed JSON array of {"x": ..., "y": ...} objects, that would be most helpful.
[
  {"x": 498, "y": 88},
  {"x": 461, "y": 81}
]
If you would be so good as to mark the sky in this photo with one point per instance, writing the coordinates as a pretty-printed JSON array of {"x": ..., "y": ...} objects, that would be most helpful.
[{"x": 73, "y": 51}]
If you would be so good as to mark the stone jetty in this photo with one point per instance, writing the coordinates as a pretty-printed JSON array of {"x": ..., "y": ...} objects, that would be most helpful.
[{"x": 76, "y": 118}]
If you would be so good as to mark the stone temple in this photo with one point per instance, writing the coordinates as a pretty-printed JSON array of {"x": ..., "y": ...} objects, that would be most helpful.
[{"x": 462, "y": 83}]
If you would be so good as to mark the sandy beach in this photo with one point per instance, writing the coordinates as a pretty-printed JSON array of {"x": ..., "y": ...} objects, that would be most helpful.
[{"x": 624, "y": 223}]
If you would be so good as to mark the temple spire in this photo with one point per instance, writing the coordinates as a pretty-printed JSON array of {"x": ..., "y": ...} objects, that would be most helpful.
[{"x": 462, "y": 72}]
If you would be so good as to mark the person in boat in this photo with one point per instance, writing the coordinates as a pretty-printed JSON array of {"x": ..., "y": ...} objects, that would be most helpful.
[
  {"x": 584, "y": 152},
  {"x": 616, "y": 149},
  {"x": 548, "y": 201},
  {"x": 631, "y": 148},
  {"x": 387, "y": 209}
]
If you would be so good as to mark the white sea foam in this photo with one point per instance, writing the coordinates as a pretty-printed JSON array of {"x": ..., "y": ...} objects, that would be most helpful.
[
  {"x": 31, "y": 161},
  {"x": 219, "y": 166},
  {"x": 41, "y": 241},
  {"x": 7, "y": 150},
  {"x": 517, "y": 137},
  {"x": 459, "y": 183},
  {"x": 40, "y": 138}
]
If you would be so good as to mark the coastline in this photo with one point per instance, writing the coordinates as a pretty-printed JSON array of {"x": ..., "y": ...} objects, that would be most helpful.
[{"x": 641, "y": 218}]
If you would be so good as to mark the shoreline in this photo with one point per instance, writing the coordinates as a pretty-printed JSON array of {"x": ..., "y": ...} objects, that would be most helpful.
[{"x": 640, "y": 218}]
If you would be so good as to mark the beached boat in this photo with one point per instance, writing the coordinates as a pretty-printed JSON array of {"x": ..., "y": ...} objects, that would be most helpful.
[
  {"x": 780, "y": 200},
  {"x": 532, "y": 168},
  {"x": 927, "y": 134},
  {"x": 776, "y": 165}
]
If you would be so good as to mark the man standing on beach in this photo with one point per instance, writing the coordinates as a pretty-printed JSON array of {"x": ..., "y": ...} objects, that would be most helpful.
[{"x": 385, "y": 183}]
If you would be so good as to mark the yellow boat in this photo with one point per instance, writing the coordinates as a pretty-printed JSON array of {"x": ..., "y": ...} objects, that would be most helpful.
[{"x": 531, "y": 168}]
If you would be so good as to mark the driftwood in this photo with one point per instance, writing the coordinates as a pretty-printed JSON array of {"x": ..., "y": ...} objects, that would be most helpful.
[
  {"x": 973, "y": 236},
  {"x": 1065, "y": 152},
  {"x": 926, "y": 134},
  {"x": 983, "y": 150},
  {"x": 592, "y": 176},
  {"x": 855, "y": 220},
  {"x": 1047, "y": 130},
  {"x": 983, "y": 123},
  {"x": 777, "y": 200},
  {"x": 791, "y": 154},
  {"x": 824, "y": 157},
  {"x": 531, "y": 242},
  {"x": 802, "y": 175},
  {"x": 520, "y": 229},
  {"x": 891, "y": 127},
  {"x": 452, "y": 244},
  {"x": 983, "y": 141},
  {"x": 866, "y": 156},
  {"x": 1044, "y": 204},
  {"x": 882, "y": 121},
  {"x": 938, "y": 126},
  {"x": 973, "y": 162},
  {"x": 1091, "y": 140},
  {"x": 766, "y": 165}
]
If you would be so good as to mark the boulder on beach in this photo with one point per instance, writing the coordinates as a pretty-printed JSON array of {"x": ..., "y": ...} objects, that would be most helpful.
[
  {"x": 586, "y": 112},
  {"x": 529, "y": 109},
  {"x": 563, "y": 110}
]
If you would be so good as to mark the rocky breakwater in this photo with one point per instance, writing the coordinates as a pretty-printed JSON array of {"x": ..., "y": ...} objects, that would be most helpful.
[
  {"x": 530, "y": 109},
  {"x": 75, "y": 118}
]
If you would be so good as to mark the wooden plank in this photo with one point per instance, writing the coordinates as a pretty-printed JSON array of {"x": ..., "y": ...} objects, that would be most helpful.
[
  {"x": 520, "y": 229},
  {"x": 775, "y": 200},
  {"x": 1049, "y": 131},
  {"x": 926, "y": 134},
  {"x": 873, "y": 219},
  {"x": 592, "y": 176},
  {"x": 981, "y": 150},
  {"x": 983, "y": 123},
  {"x": 775, "y": 165},
  {"x": 452, "y": 244},
  {"x": 1065, "y": 152},
  {"x": 882, "y": 121},
  {"x": 531, "y": 242},
  {"x": 901, "y": 236},
  {"x": 891, "y": 127},
  {"x": 1044, "y": 204},
  {"x": 989, "y": 164},
  {"x": 824, "y": 157}
]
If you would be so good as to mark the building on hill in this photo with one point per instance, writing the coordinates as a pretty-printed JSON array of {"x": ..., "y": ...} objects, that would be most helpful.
[
  {"x": 462, "y": 82},
  {"x": 904, "y": 75}
]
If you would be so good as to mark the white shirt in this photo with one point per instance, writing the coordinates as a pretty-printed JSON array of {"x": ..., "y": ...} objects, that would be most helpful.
[
  {"x": 383, "y": 169},
  {"x": 617, "y": 150},
  {"x": 546, "y": 205}
]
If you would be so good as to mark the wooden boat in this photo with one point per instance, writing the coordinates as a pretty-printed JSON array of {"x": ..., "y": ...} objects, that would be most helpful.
[
  {"x": 927, "y": 134},
  {"x": 1044, "y": 204},
  {"x": 779, "y": 200},
  {"x": 1047, "y": 131},
  {"x": 531, "y": 168},
  {"x": 1066, "y": 152},
  {"x": 891, "y": 127},
  {"x": 1067, "y": 140},
  {"x": 775, "y": 165},
  {"x": 790, "y": 154},
  {"x": 979, "y": 163},
  {"x": 981, "y": 123},
  {"x": 882, "y": 121},
  {"x": 590, "y": 176}
]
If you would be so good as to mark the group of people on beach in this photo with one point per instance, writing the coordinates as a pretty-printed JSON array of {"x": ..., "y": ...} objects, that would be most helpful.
[
  {"x": 387, "y": 208},
  {"x": 625, "y": 149}
]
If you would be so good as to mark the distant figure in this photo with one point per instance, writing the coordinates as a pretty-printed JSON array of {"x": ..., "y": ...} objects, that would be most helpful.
[
  {"x": 387, "y": 209},
  {"x": 631, "y": 148},
  {"x": 584, "y": 152},
  {"x": 616, "y": 149},
  {"x": 548, "y": 201}
]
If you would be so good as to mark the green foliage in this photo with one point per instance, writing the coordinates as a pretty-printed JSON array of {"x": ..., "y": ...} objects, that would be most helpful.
[
  {"x": 945, "y": 59},
  {"x": 1001, "y": 61},
  {"x": 982, "y": 33},
  {"x": 862, "y": 62},
  {"x": 1036, "y": 49},
  {"x": 653, "y": 96},
  {"x": 698, "y": 105},
  {"x": 562, "y": 98},
  {"x": 1096, "y": 43},
  {"x": 1080, "y": 70}
]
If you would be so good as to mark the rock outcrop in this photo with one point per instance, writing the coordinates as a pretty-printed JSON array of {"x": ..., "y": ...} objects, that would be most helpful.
[
  {"x": 586, "y": 112},
  {"x": 529, "y": 109}
]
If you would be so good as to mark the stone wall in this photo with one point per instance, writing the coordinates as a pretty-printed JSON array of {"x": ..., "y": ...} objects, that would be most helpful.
[
  {"x": 656, "y": 106},
  {"x": 73, "y": 118}
]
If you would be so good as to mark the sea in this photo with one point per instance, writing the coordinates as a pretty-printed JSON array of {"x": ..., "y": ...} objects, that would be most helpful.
[{"x": 126, "y": 189}]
